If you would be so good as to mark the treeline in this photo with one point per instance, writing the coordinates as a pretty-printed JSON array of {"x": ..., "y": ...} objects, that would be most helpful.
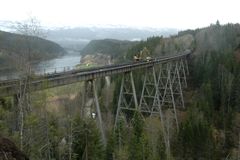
[
  {"x": 216, "y": 37},
  {"x": 160, "y": 46}
]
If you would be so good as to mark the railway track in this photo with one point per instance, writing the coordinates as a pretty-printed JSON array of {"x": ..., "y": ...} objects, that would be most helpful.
[{"x": 63, "y": 78}]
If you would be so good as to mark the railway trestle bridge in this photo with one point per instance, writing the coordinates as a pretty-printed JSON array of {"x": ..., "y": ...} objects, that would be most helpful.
[{"x": 162, "y": 86}]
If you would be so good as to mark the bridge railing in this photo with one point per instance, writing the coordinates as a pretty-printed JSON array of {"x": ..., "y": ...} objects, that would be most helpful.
[
  {"x": 69, "y": 75},
  {"x": 52, "y": 70}
]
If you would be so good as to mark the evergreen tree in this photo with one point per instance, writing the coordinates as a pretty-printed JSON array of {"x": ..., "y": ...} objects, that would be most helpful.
[
  {"x": 110, "y": 148},
  {"x": 138, "y": 149},
  {"x": 161, "y": 148},
  {"x": 87, "y": 141},
  {"x": 195, "y": 137}
]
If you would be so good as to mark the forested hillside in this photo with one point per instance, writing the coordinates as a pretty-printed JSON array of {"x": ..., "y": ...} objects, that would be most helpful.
[
  {"x": 216, "y": 37},
  {"x": 16, "y": 45},
  {"x": 122, "y": 51},
  {"x": 159, "y": 46},
  {"x": 115, "y": 48},
  {"x": 106, "y": 51},
  {"x": 59, "y": 123}
]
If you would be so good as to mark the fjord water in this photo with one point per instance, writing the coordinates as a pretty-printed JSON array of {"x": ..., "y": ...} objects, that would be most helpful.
[
  {"x": 59, "y": 64},
  {"x": 66, "y": 62}
]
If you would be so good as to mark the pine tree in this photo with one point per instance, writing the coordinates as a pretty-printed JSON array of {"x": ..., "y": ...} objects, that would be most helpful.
[
  {"x": 161, "y": 149},
  {"x": 139, "y": 148},
  {"x": 195, "y": 137},
  {"x": 87, "y": 141},
  {"x": 110, "y": 147}
]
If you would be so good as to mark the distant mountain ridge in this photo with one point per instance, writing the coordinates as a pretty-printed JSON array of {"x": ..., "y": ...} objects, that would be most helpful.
[{"x": 79, "y": 37}]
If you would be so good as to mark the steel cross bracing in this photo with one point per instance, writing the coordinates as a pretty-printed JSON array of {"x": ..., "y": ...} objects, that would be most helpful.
[
  {"x": 170, "y": 86},
  {"x": 150, "y": 100},
  {"x": 183, "y": 72},
  {"x": 127, "y": 98},
  {"x": 162, "y": 89}
]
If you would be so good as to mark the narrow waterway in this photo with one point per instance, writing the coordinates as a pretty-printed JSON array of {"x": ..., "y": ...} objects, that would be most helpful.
[
  {"x": 66, "y": 62},
  {"x": 59, "y": 64}
]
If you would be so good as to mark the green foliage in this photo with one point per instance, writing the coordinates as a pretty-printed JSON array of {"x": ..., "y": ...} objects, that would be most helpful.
[
  {"x": 235, "y": 98},
  {"x": 55, "y": 135},
  {"x": 217, "y": 38},
  {"x": 115, "y": 48},
  {"x": 138, "y": 147},
  {"x": 120, "y": 135},
  {"x": 205, "y": 102},
  {"x": 5, "y": 116},
  {"x": 150, "y": 44},
  {"x": 195, "y": 137},
  {"x": 110, "y": 147},
  {"x": 87, "y": 143},
  {"x": 215, "y": 75},
  {"x": 161, "y": 148}
]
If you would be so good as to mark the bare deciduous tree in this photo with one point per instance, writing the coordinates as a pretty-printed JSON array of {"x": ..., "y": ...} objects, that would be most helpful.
[{"x": 22, "y": 61}]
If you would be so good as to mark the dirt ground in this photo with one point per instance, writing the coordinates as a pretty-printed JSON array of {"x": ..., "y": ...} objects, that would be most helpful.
[{"x": 9, "y": 151}]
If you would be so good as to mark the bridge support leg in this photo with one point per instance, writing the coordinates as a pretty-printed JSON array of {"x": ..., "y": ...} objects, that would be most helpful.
[
  {"x": 166, "y": 88},
  {"x": 150, "y": 101},
  {"x": 170, "y": 88},
  {"x": 186, "y": 65},
  {"x": 127, "y": 97},
  {"x": 183, "y": 71},
  {"x": 177, "y": 82},
  {"x": 91, "y": 92},
  {"x": 99, "y": 113},
  {"x": 149, "y": 91}
]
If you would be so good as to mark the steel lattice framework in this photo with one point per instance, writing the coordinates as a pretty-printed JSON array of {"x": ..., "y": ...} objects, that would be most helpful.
[
  {"x": 164, "y": 79},
  {"x": 162, "y": 88}
]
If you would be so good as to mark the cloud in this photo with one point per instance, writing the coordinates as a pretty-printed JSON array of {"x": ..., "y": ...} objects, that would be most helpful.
[{"x": 151, "y": 13}]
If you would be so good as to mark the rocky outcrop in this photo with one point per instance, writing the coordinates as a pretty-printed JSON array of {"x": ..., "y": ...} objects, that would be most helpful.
[{"x": 96, "y": 59}]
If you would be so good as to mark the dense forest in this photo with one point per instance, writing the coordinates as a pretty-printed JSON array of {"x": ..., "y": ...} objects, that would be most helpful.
[{"x": 53, "y": 125}]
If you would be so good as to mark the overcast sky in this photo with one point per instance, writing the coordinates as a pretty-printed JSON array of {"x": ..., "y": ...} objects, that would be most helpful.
[{"x": 181, "y": 14}]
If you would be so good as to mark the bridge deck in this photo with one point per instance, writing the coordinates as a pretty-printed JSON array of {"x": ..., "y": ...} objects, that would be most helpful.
[{"x": 11, "y": 87}]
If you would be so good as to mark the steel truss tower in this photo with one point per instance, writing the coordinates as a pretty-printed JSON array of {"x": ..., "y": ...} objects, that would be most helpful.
[
  {"x": 170, "y": 86},
  {"x": 161, "y": 90},
  {"x": 127, "y": 97},
  {"x": 150, "y": 102}
]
